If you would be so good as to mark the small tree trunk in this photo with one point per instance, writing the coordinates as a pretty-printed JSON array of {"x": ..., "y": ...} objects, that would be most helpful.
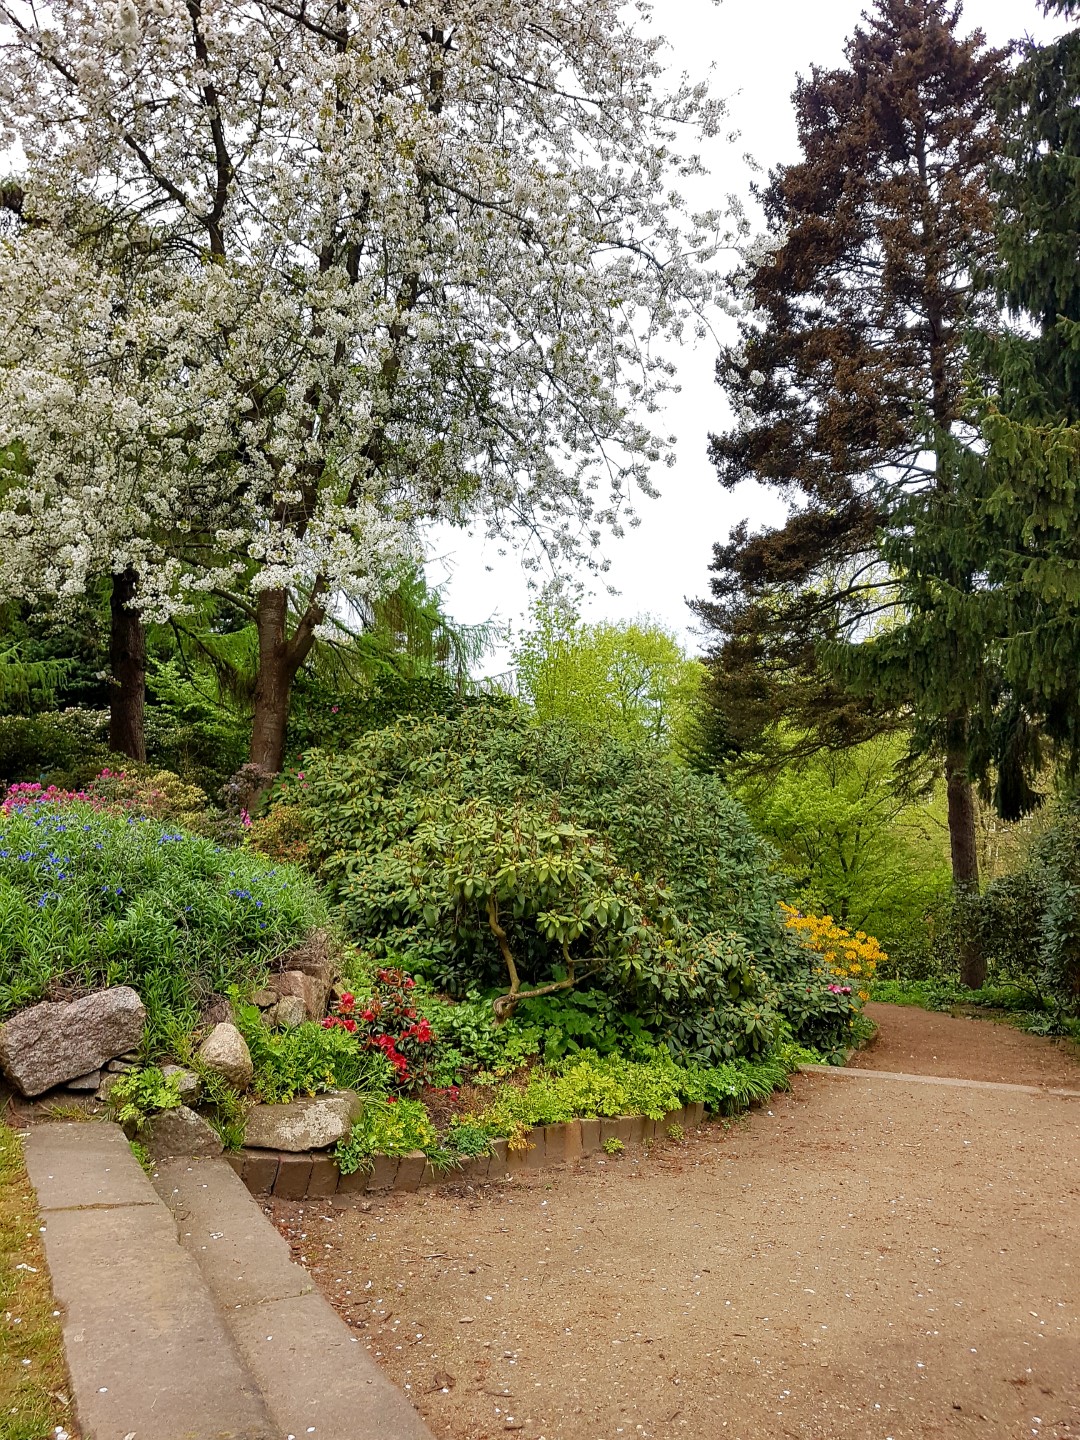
[
  {"x": 127, "y": 662},
  {"x": 273, "y": 685},
  {"x": 962, "y": 842}
]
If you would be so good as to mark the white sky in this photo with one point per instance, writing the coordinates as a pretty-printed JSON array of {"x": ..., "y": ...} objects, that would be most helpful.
[{"x": 756, "y": 49}]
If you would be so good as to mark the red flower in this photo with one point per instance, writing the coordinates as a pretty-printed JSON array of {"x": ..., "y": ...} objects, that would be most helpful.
[
  {"x": 347, "y": 1001},
  {"x": 349, "y": 1025}
]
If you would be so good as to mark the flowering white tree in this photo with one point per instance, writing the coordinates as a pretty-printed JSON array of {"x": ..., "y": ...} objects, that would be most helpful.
[{"x": 362, "y": 264}]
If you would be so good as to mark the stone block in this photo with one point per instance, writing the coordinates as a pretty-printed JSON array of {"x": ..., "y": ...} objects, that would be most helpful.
[
  {"x": 516, "y": 1160},
  {"x": 294, "y": 1172},
  {"x": 555, "y": 1144},
  {"x": 431, "y": 1176},
  {"x": 324, "y": 1176},
  {"x": 383, "y": 1174},
  {"x": 49, "y": 1044},
  {"x": 636, "y": 1127},
  {"x": 573, "y": 1146},
  {"x": 649, "y": 1131},
  {"x": 74, "y": 1165},
  {"x": 498, "y": 1164},
  {"x": 188, "y": 1084},
  {"x": 474, "y": 1170},
  {"x": 309, "y": 989},
  {"x": 260, "y": 1170},
  {"x": 673, "y": 1117},
  {"x": 235, "y": 1158},
  {"x": 354, "y": 1184},
  {"x": 590, "y": 1136},
  {"x": 616, "y": 1128},
  {"x": 536, "y": 1155},
  {"x": 288, "y": 1013},
  {"x": 243, "y": 1258},
  {"x": 316, "y": 1379},
  {"x": 410, "y": 1170},
  {"x": 695, "y": 1114}
]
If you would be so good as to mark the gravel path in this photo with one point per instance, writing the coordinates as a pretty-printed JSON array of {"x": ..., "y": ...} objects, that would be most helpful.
[{"x": 867, "y": 1259}]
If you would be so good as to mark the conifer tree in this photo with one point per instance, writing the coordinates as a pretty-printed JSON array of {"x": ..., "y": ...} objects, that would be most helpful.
[
  {"x": 849, "y": 383},
  {"x": 1023, "y": 484}
]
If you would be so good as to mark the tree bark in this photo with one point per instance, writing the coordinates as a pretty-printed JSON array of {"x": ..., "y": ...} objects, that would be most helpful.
[
  {"x": 127, "y": 663},
  {"x": 962, "y": 842},
  {"x": 273, "y": 684}
]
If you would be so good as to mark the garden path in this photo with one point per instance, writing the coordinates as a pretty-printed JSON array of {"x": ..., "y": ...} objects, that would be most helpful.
[{"x": 868, "y": 1258}]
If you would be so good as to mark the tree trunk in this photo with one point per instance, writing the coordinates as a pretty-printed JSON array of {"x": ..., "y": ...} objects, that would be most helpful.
[
  {"x": 273, "y": 685},
  {"x": 127, "y": 662},
  {"x": 962, "y": 842}
]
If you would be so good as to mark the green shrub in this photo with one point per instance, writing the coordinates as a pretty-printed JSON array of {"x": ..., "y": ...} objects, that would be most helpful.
[
  {"x": 586, "y": 1086},
  {"x": 590, "y": 1086},
  {"x": 61, "y": 747},
  {"x": 93, "y": 899},
  {"x": 465, "y": 845},
  {"x": 468, "y": 1138},
  {"x": 389, "y": 1127},
  {"x": 1026, "y": 924},
  {"x": 307, "y": 1060}
]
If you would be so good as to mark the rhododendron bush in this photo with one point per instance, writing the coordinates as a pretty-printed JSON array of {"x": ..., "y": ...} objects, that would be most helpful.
[{"x": 288, "y": 280}]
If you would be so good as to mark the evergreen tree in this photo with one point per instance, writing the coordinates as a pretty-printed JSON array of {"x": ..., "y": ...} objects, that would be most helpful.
[
  {"x": 1023, "y": 484},
  {"x": 850, "y": 388}
]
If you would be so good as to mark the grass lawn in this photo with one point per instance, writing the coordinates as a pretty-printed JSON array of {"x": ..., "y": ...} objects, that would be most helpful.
[{"x": 34, "y": 1387}]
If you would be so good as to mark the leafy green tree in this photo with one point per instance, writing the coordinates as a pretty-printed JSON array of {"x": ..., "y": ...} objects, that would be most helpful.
[
  {"x": 848, "y": 380},
  {"x": 630, "y": 679},
  {"x": 862, "y": 836}
]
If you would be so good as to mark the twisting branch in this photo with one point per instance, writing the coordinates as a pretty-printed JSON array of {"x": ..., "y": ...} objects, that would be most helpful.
[{"x": 505, "y": 1005}]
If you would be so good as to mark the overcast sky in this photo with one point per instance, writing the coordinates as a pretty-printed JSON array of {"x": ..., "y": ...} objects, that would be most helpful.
[{"x": 756, "y": 49}]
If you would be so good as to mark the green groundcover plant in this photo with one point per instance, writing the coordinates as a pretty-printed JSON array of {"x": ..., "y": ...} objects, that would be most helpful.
[
  {"x": 587, "y": 1086},
  {"x": 488, "y": 853},
  {"x": 89, "y": 898}
]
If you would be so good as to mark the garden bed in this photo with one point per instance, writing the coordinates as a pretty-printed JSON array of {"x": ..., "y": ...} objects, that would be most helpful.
[{"x": 314, "y": 1173}]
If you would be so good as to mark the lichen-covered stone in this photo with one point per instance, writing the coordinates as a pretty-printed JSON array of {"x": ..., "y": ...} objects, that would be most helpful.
[{"x": 311, "y": 1123}]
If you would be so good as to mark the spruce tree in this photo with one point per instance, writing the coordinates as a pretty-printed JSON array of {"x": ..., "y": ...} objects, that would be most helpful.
[{"x": 1023, "y": 484}]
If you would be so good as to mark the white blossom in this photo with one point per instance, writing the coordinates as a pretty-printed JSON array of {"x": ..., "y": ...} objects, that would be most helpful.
[{"x": 292, "y": 280}]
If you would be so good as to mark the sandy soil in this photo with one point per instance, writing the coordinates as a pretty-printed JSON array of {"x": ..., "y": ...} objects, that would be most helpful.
[
  {"x": 866, "y": 1259},
  {"x": 924, "y": 1042}
]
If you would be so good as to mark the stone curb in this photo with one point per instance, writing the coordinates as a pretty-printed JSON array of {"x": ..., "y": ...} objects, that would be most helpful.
[
  {"x": 949, "y": 1080},
  {"x": 314, "y": 1174}
]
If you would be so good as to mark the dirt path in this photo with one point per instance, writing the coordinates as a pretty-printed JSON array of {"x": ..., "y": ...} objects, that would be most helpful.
[
  {"x": 868, "y": 1259},
  {"x": 924, "y": 1042}
]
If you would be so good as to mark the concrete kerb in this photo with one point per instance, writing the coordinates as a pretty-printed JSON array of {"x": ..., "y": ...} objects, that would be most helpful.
[
  {"x": 313, "y": 1374},
  {"x": 148, "y": 1352},
  {"x": 853, "y": 1073}
]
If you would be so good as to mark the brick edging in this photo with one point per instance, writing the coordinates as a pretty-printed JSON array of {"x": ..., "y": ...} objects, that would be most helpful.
[{"x": 313, "y": 1174}]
